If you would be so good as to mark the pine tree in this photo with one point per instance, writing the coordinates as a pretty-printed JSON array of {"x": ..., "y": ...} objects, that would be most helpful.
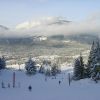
[
  {"x": 48, "y": 72},
  {"x": 91, "y": 55},
  {"x": 95, "y": 73},
  {"x": 87, "y": 72},
  {"x": 55, "y": 70},
  {"x": 46, "y": 68},
  {"x": 30, "y": 66},
  {"x": 81, "y": 66},
  {"x": 78, "y": 68},
  {"x": 2, "y": 63},
  {"x": 97, "y": 55},
  {"x": 41, "y": 70},
  {"x": 94, "y": 58}
]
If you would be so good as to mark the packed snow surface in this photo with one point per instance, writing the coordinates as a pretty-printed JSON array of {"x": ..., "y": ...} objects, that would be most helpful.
[{"x": 49, "y": 89}]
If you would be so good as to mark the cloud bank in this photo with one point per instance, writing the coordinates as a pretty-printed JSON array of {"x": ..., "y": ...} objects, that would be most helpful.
[{"x": 54, "y": 26}]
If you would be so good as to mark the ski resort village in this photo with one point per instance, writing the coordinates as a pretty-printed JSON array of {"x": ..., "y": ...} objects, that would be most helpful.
[{"x": 52, "y": 81}]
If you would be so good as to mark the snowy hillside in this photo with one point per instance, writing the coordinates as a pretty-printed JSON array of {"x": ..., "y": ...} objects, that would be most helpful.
[{"x": 47, "y": 90}]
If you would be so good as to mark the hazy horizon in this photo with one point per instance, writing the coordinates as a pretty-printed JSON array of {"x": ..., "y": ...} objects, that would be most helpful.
[{"x": 38, "y": 17}]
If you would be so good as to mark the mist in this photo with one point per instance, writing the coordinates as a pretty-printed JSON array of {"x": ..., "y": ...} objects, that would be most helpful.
[{"x": 50, "y": 26}]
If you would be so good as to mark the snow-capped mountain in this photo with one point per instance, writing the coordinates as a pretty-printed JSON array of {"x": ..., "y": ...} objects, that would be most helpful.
[{"x": 39, "y": 38}]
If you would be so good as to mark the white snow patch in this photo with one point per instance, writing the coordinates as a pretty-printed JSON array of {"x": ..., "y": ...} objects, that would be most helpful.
[{"x": 47, "y": 90}]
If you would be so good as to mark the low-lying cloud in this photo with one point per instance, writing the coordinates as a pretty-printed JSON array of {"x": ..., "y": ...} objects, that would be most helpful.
[{"x": 54, "y": 26}]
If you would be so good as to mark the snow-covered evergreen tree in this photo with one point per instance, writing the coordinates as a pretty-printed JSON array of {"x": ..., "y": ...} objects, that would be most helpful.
[
  {"x": 48, "y": 72},
  {"x": 91, "y": 55},
  {"x": 78, "y": 68},
  {"x": 82, "y": 66},
  {"x": 86, "y": 71},
  {"x": 55, "y": 69},
  {"x": 2, "y": 63},
  {"x": 46, "y": 67},
  {"x": 97, "y": 55},
  {"x": 95, "y": 72},
  {"x": 94, "y": 58},
  {"x": 41, "y": 70},
  {"x": 30, "y": 66}
]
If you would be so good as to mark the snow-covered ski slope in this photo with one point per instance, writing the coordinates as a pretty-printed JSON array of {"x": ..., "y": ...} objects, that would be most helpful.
[{"x": 47, "y": 90}]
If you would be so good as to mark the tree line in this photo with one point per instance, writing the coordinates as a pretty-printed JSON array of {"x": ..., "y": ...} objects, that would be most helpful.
[
  {"x": 81, "y": 70},
  {"x": 92, "y": 68}
]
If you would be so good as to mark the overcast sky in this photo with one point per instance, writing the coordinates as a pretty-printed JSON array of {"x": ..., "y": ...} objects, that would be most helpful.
[{"x": 13, "y": 12}]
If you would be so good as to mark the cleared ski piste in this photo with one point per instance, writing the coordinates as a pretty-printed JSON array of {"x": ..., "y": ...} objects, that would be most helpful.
[{"x": 47, "y": 90}]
